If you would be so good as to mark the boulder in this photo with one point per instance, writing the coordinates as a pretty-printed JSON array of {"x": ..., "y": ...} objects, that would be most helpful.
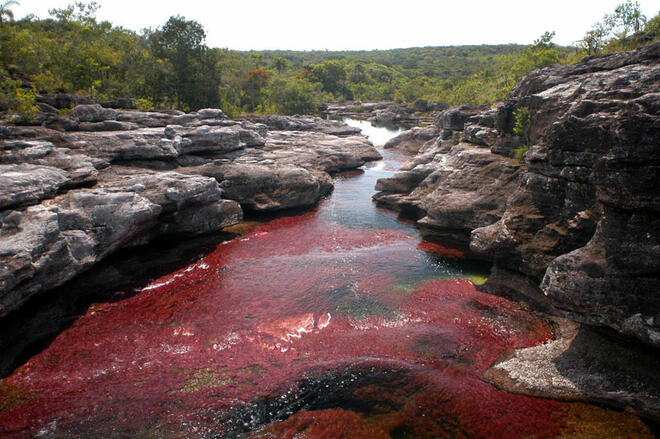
[
  {"x": 265, "y": 188},
  {"x": 93, "y": 113},
  {"x": 413, "y": 139}
]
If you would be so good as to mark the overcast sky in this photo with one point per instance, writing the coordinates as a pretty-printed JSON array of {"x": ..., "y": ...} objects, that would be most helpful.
[{"x": 356, "y": 24}]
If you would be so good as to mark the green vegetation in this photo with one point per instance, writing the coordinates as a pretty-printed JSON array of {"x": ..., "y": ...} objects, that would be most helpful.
[
  {"x": 171, "y": 66},
  {"x": 625, "y": 29},
  {"x": 521, "y": 128},
  {"x": 20, "y": 101},
  {"x": 522, "y": 123}
]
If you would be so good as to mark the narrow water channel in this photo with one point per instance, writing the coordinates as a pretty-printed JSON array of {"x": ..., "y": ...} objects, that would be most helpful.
[{"x": 340, "y": 322}]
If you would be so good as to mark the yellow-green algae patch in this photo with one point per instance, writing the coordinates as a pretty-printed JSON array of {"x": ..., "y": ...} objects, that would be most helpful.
[
  {"x": 584, "y": 421},
  {"x": 12, "y": 396},
  {"x": 477, "y": 279},
  {"x": 203, "y": 379}
]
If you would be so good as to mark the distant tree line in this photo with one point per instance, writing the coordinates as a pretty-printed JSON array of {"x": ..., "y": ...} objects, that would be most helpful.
[{"x": 172, "y": 67}]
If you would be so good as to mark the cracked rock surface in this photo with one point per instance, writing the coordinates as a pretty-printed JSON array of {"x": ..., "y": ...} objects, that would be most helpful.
[{"x": 77, "y": 189}]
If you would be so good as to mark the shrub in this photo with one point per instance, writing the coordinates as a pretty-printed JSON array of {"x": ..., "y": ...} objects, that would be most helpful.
[
  {"x": 519, "y": 152},
  {"x": 19, "y": 100},
  {"x": 144, "y": 104},
  {"x": 522, "y": 124}
]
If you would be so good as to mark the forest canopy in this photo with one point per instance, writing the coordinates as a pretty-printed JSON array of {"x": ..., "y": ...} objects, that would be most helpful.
[{"x": 172, "y": 67}]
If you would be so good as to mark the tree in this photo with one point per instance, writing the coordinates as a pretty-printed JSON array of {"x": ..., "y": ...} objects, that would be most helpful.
[
  {"x": 280, "y": 64},
  {"x": 594, "y": 40},
  {"x": 6, "y": 12},
  {"x": 181, "y": 42},
  {"x": 78, "y": 11},
  {"x": 545, "y": 40},
  {"x": 627, "y": 17},
  {"x": 254, "y": 83},
  {"x": 296, "y": 97},
  {"x": 332, "y": 75}
]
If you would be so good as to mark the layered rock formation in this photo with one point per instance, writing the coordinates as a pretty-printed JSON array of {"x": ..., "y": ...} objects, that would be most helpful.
[
  {"x": 78, "y": 188},
  {"x": 580, "y": 214}
]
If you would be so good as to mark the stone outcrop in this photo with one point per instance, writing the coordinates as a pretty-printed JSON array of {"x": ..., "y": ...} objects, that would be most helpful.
[
  {"x": 386, "y": 113},
  {"x": 109, "y": 179},
  {"x": 579, "y": 215},
  {"x": 452, "y": 190},
  {"x": 413, "y": 139},
  {"x": 582, "y": 364}
]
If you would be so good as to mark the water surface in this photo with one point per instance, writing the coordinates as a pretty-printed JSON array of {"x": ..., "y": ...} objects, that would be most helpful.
[{"x": 340, "y": 322}]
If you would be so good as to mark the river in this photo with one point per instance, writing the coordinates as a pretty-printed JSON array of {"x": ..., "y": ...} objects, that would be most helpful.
[{"x": 338, "y": 322}]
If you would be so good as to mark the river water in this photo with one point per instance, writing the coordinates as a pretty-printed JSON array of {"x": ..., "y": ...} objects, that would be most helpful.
[{"x": 339, "y": 322}]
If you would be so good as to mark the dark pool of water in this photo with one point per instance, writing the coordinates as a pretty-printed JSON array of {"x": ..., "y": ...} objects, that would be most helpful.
[{"x": 340, "y": 322}]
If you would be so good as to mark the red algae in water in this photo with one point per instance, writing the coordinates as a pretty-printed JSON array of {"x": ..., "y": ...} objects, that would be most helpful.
[
  {"x": 441, "y": 250},
  {"x": 297, "y": 297}
]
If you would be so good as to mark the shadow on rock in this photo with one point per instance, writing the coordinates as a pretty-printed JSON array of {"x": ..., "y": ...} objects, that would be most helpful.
[{"x": 29, "y": 330}]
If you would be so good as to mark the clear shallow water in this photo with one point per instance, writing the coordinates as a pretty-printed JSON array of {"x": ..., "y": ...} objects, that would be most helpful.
[{"x": 340, "y": 322}]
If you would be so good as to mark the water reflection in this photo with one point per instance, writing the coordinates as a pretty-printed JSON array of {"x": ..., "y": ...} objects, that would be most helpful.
[{"x": 378, "y": 135}]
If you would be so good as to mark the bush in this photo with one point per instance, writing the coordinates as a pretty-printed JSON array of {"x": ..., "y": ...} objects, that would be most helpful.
[
  {"x": 144, "y": 104},
  {"x": 522, "y": 124},
  {"x": 296, "y": 97},
  {"x": 19, "y": 100},
  {"x": 519, "y": 152}
]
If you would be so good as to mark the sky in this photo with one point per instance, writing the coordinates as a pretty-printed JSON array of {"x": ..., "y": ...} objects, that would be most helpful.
[{"x": 358, "y": 25}]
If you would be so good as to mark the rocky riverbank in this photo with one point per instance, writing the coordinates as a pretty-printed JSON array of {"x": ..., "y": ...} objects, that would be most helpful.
[
  {"x": 386, "y": 113},
  {"x": 75, "y": 189},
  {"x": 574, "y": 224}
]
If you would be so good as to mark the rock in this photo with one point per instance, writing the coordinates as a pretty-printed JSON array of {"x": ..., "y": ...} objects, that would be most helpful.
[
  {"x": 67, "y": 201},
  {"x": 121, "y": 103},
  {"x": 65, "y": 100},
  {"x": 412, "y": 140},
  {"x": 290, "y": 171},
  {"x": 93, "y": 113},
  {"x": 579, "y": 216},
  {"x": 390, "y": 116},
  {"x": 48, "y": 244},
  {"x": 59, "y": 123},
  {"x": 144, "y": 144},
  {"x": 454, "y": 118},
  {"x": 10, "y": 132},
  {"x": 452, "y": 192},
  {"x": 106, "y": 125},
  {"x": 207, "y": 139},
  {"x": 611, "y": 281},
  {"x": 305, "y": 123},
  {"x": 211, "y": 113},
  {"x": 149, "y": 119},
  {"x": 421, "y": 105},
  {"x": 582, "y": 364},
  {"x": 45, "y": 108},
  {"x": 480, "y": 135},
  {"x": 27, "y": 184},
  {"x": 264, "y": 188}
]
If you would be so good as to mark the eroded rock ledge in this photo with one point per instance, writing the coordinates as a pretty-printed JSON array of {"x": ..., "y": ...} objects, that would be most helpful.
[
  {"x": 77, "y": 188},
  {"x": 578, "y": 216},
  {"x": 580, "y": 213}
]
